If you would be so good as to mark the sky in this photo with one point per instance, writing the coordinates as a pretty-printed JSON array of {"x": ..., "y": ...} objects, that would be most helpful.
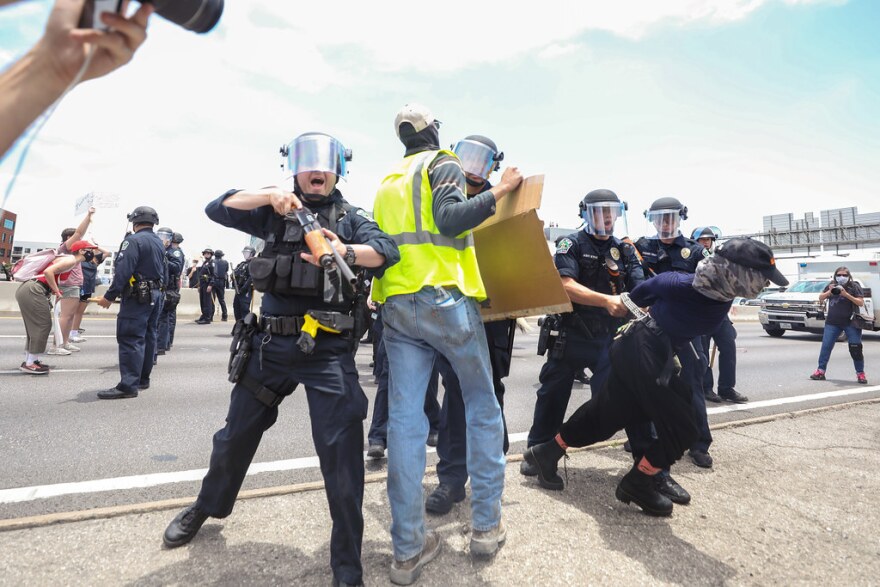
[{"x": 739, "y": 108}]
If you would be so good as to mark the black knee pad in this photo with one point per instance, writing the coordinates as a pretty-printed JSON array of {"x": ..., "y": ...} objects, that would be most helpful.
[{"x": 855, "y": 351}]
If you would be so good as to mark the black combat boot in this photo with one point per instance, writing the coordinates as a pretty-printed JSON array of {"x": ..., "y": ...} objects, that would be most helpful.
[
  {"x": 184, "y": 527},
  {"x": 640, "y": 488},
  {"x": 545, "y": 459}
]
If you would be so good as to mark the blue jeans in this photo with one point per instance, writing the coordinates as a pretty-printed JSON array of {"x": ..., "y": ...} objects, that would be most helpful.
[
  {"x": 829, "y": 337},
  {"x": 417, "y": 326}
]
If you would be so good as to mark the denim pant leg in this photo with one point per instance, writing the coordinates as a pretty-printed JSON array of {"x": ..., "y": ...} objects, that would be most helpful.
[
  {"x": 854, "y": 336},
  {"x": 829, "y": 337},
  {"x": 432, "y": 406},
  {"x": 410, "y": 360}
]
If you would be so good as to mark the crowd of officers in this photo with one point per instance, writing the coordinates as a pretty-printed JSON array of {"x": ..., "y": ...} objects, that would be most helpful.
[{"x": 321, "y": 253}]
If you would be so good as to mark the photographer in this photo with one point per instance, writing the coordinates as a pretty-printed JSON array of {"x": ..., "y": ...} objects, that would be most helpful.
[
  {"x": 44, "y": 73},
  {"x": 844, "y": 297}
]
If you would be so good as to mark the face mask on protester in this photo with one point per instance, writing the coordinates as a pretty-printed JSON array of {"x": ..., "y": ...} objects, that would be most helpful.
[{"x": 841, "y": 280}]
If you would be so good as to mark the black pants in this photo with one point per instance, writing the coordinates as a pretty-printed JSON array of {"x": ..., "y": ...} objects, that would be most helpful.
[
  {"x": 633, "y": 396},
  {"x": 219, "y": 292},
  {"x": 337, "y": 408},
  {"x": 206, "y": 301},
  {"x": 137, "y": 326},
  {"x": 241, "y": 305}
]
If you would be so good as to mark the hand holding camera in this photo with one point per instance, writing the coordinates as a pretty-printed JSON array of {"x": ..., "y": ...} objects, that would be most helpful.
[{"x": 836, "y": 290}]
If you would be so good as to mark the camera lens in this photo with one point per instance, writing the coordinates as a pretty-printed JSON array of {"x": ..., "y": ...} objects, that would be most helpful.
[{"x": 199, "y": 16}]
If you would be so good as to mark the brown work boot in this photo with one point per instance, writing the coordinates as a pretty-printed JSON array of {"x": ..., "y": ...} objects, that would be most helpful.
[{"x": 408, "y": 571}]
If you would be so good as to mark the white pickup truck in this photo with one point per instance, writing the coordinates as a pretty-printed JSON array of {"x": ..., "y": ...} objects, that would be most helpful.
[{"x": 798, "y": 307}]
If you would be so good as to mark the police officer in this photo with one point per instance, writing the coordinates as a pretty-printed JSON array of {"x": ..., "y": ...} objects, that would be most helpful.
[
  {"x": 138, "y": 278},
  {"x": 295, "y": 289},
  {"x": 206, "y": 273},
  {"x": 595, "y": 267},
  {"x": 172, "y": 316},
  {"x": 221, "y": 280},
  {"x": 243, "y": 284},
  {"x": 479, "y": 157},
  {"x": 725, "y": 341},
  {"x": 668, "y": 250},
  {"x": 174, "y": 259}
]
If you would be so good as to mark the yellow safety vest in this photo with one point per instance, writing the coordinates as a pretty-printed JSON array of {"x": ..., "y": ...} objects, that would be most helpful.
[{"x": 404, "y": 210}]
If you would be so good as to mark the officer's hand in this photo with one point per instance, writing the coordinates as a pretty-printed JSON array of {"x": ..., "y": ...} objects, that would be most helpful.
[
  {"x": 615, "y": 306},
  {"x": 208, "y": 289},
  {"x": 282, "y": 201},
  {"x": 523, "y": 326},
  {"x": 104, "y": 303},
  {"x": 334, "y": 241}
]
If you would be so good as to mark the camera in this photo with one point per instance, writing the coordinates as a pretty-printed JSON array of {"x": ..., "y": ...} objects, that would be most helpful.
[
  {"x": 836, "y": 290},
  {"x": 199, "y": 16}
]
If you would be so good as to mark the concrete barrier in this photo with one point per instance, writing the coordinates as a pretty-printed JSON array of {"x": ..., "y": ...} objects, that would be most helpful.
[{"x": 188, "y": 306}]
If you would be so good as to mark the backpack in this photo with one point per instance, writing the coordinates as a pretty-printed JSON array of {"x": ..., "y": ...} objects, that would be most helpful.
[{"x": 33, "y": 265}]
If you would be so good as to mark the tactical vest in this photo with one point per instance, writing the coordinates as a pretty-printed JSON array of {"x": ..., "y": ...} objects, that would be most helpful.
[
  {"x": 404, "y": 210},
  {"x": 279, "y": 268},
  {"x": 604, "y": 270},
  {"x": 660, "y": 258},
  {"x": 240, "y": 274}
]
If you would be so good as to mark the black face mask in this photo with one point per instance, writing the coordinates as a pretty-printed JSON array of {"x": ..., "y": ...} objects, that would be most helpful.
[
  {"x": 475, "y": 184},
  {"x": 88, "y": 255}
]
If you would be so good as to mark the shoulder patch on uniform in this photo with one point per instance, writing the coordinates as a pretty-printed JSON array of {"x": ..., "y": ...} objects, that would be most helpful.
[
  {"x": 177, "y": 253},
  {"x": 563, "y": 245},
  {"x": 125, "y": 245},
  {"x": 615, "y": 254},
  {"x": 363, "y": 213},
  {"x": 685, "y": 253}
]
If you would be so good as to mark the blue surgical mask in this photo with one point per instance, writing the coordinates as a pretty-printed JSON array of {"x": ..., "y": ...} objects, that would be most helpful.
[{"x": 841, "y": 280}]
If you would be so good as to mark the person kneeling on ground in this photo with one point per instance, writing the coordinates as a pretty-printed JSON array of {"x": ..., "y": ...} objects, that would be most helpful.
[{"x": 645, "y": 382}]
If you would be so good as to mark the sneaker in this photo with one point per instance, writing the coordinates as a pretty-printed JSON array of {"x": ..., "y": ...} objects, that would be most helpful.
[
  {"x": 487, "y": 542},
  {"x": 819, "y": 375},
  {"x": 72, "y": 348},
  {"x": 408, "y": 571},
  {"x": 860, "y": 377},
  {"x": 58, "y": 350},
  {"x": 35, "y": 368},
  {"x": 77, "y": 338}
]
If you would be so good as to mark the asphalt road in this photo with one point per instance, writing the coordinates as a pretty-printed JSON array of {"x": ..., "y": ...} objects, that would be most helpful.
[{"x": 62, "y": 449}]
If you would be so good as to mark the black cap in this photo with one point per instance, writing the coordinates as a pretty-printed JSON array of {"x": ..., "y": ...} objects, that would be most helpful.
[{"x": 753, "y": 254}]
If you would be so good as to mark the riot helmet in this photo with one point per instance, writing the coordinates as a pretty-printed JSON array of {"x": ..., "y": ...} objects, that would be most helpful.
[
  {"x": 479, "y": 155},
  {"x": 315, "y": 151},
  {"x": 666, "y": 215},
  {"x": 166, "y": 234},
  {"x": 208, "y": 250},
  {"x": 706, "y": 236},
  {"x": 248, "y": 252},
  {"x": 143, "y": 215},
  {"x": 218, "y": 253},
  {"x": 600, "y": 210},
  {"x": 177, "y": 238}
]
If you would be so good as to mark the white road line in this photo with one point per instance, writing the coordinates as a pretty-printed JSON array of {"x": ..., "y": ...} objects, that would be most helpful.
[
  {"x": 20, "y": 494},
  {"x": 90, "y": 336},
  {"x": 11, "y": 371}
]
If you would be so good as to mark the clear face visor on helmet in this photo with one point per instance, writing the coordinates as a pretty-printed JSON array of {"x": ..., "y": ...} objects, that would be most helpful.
[
  {"x": 316, "y": 152},
  {"x": 247, "y": 253},
  {"x": 165, "y": 235},
  {"x": 477, "y": 158},
  {"x": 600, "y": 217},
  {"x": 665, "y": 222}
]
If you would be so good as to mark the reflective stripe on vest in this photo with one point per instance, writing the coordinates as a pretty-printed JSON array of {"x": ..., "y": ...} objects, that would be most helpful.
[{"x": 428, "y": 258}]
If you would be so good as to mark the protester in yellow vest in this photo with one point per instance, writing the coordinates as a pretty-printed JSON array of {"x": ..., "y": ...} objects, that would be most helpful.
[{"x": 431, "y": 305}]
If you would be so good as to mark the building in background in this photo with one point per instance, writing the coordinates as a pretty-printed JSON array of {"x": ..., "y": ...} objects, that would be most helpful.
[
  {"x": 7, "y": 235},
  {"x": 833, "y": 231}
]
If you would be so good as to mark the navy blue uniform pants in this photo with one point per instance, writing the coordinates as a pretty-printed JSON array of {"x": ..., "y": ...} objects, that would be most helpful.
[
  {"x": 163, "y": 340},
  {"x": 378, "y": 433},
  {"x": 241, "y": 305},
  {"x": 725, "y": 342},
  {"x": 136, "y": 328},
  {"x": 337, "y": 408},
  {"x": 452, "y": 437},
  {"x": 219, "y": 293},
  {"x": 633, "y": 397},
  {"x": 206, "y": 302},
  {"x": 557, "y": 378}
]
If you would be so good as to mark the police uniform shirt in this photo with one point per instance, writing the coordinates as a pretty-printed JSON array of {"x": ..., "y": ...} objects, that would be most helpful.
[
  {"x": 583, "y": 258},
  {"x": 221, "y": 270},
  {"x": 175, "y": 268},
  {"x": 141, "y": 253},
  {"x": 242, "y": 276},
  {"x": 683, "y": 254},
  {"x": 681, "y": 311},
  {"x": 354, "y": 227},
  {"x": 206, "y": 273}
]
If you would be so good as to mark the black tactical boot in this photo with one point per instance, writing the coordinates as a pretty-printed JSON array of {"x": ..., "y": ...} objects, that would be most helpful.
[
  {"x": 545, "y": 458},
  {"x": 184, "y": 527},
  {"x": 669, "y": 487},
  {"x": 639, "y": 487}
]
